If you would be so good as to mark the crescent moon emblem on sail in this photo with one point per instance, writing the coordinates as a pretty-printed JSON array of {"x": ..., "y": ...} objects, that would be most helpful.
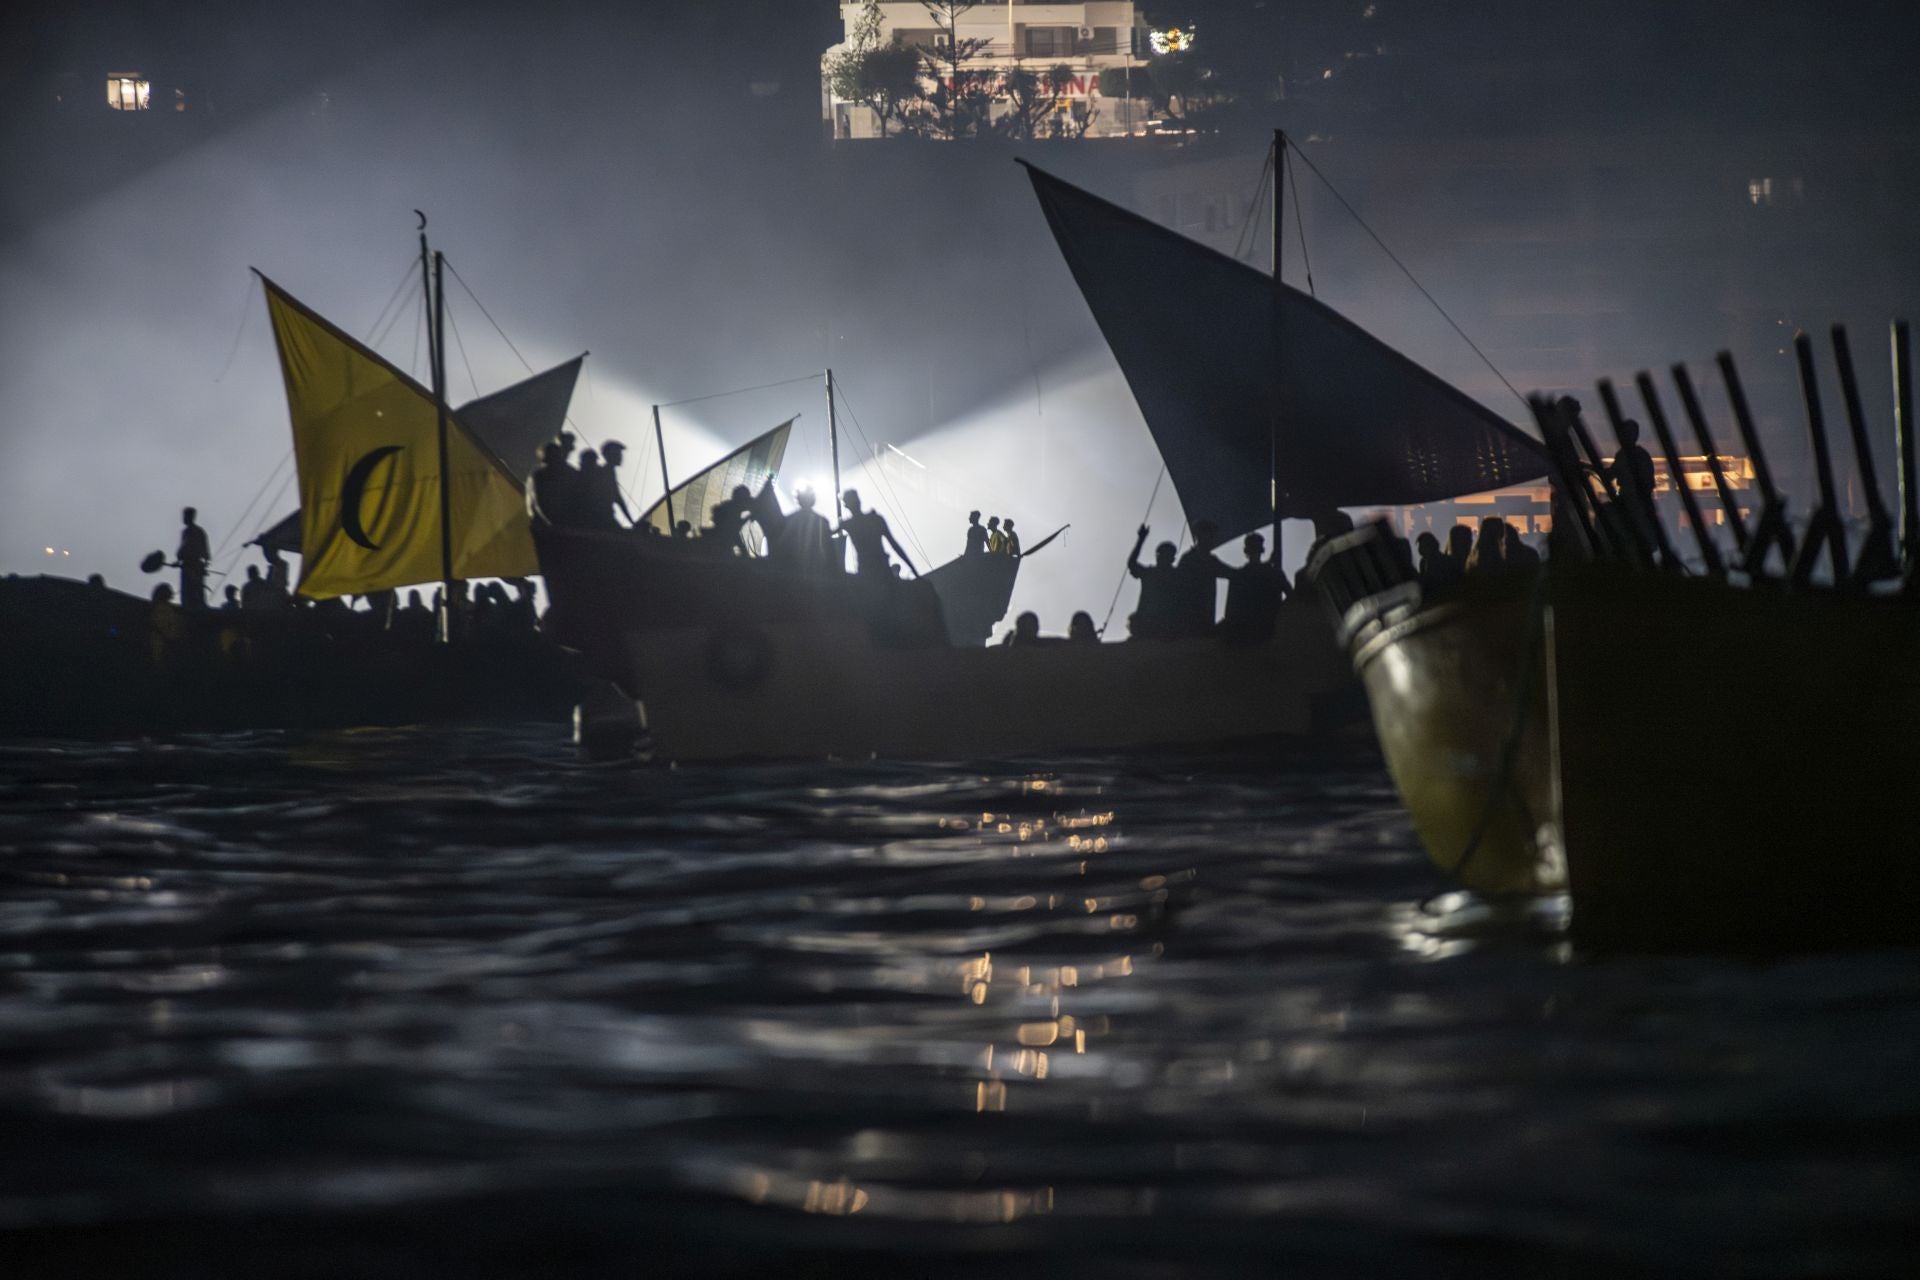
[
  {"x": 422, "y": 217},
  {"x": 354, "y": 489}
]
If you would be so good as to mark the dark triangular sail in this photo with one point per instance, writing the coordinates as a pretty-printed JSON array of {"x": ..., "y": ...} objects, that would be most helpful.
[
  {"x": 1193, "y": 331},
  {"x": 515, "y": 421}
]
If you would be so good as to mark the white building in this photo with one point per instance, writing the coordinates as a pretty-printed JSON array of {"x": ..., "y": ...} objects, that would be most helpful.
[{"x": 1086, "y": 39}]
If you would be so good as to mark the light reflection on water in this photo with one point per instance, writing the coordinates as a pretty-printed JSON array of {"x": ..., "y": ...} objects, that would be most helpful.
[{"x": 1201, "y": 1015}]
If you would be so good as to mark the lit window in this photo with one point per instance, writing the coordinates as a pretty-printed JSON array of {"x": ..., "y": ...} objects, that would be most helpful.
[
  {"x": 128, "y": 91},
  {"x": 1775, "y": 191}
]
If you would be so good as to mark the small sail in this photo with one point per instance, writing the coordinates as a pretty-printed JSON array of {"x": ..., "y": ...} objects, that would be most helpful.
[
  {"x": 282, "y": 535},
  {"x": 752, "y": 465},
  {"x": 365, "y": 443},
  {"x": 515, "y": 421},
  {"x": 1360, "y": 425},
  {"x": 975, "y": 591}
]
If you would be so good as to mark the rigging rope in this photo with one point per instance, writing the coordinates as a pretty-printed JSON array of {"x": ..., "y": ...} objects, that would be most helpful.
[
  {"x": 406, "y": 276},
  {"x": 1411, "y": 278},
  {"x": 241, "y": 522},
  {"x": 488, "y": 314},
  {"x": 1121, "y": 585},
  {"x": 879, "y": 472},
  {"x": 457, "y": 341},
  {"x": 246, "y": 314},
  {"x": 1251, "y": 223},
  {"x": 738, "y": 391},
  {"x": 1299, "y": 223}
]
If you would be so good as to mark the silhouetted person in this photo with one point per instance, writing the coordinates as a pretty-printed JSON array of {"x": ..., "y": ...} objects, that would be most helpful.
[
  {"x": 550, "y": 486},
  {"x": 164, "y": 626},
  {"x": 1202, "y": 569},
  {"x": 996, "y": 540},
  {"x": 805, "y": 541},
  {"x": 1013, "y": 539},
  {"x": 1254, "y": 592},
  {"x": 253, "y": 591},
  {"x": 870, "y": 536},
  {"x": 1026, "y": 630},
  {"x": 682, "y": 530},
  {"x": 591, "y": 483},
  {"x": 231, "y": 602},
  {"x": 1080, "y": 629},
  {"x": 1437, "y": 569},
  {"x": 194, "y": 555},
  {"x": 1157, "y": 616},
  {"x": 1402, "y": 552},
  {"x": 412, "y": 622},
  {"x": 1631, "y": 471},
  {"x": 607, "y": 498},
  {"x": 1459, "y": 548},
  {"x": 279, "y": 591},
  {"x": 1519, "y": 554},
  {"x": 729, "y": 521},
  {"x": 1489, "y": 555},
  {"x": 522, "y": 610},
  {"x": 976, "y": 536},
  {"x": 380, "y": 605}
]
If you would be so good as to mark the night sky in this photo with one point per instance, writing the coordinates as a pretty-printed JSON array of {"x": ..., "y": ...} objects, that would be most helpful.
[{"x": 653, "y": 185}]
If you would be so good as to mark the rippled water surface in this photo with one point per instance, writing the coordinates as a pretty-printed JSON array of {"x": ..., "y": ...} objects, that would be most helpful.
[{"x": 442, "y": 1003}]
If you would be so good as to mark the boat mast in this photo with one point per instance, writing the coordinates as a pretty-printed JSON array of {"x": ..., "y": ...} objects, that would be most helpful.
[
  {"x": 833, "y": 440},
  {"x": 434, "y": 283},
  {"x": 660, "y": 440},
  {"x": 1275, "y": 380},
  {"x": 1903, "y": 425}
]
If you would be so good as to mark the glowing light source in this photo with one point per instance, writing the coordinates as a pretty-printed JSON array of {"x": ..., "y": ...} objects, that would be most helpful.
[
  {"x": 1172, "y": 40},
  {"x": 128, "y": 91}
]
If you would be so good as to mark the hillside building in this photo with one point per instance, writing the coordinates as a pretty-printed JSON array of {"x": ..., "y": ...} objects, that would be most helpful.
[{"x": 1083, "y": 40}]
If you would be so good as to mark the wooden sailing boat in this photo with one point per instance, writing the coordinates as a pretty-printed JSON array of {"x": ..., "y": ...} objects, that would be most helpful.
[
  {"x": 774, "y": 667},
  {"x": 397, "y": 488},
  {"x": 1704, "y": 760},
  {"x": 607, "y": 584}
]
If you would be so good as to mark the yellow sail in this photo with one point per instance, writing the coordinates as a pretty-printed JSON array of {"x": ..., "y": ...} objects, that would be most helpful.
[{"x": 365, "y": 441}]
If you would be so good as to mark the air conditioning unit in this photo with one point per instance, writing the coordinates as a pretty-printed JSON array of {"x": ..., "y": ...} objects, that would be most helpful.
[{"x": 1086, "y": 33}]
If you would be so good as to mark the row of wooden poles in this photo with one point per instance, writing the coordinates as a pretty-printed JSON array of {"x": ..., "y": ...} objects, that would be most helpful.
[{"x": 1607, "y": 524}]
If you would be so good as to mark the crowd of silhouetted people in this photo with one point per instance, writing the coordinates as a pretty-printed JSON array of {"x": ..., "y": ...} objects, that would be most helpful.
[
  {"x": 1497, "y": 548},
  {"x": 587, "y": 495}
]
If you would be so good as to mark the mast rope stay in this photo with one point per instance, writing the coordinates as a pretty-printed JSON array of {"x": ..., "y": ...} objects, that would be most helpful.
[
  {"x": 738, "y": 391},
  {"x": 1299, "y": 222},
  {"x": 1251, "y": 223},
  {"x": 462, "y": 346},
  {"x": 1404, "y": 270},
  {"x": 1121, "y": 585},
  {"x": 375, "y": 334},
  {"x": 240, "y": 331},
  {"x": 567, "y": 417},
  {"x": 879, "y": 474},
  {"x": 646, "y": 462},
  {"x": 241, "y": 523}
]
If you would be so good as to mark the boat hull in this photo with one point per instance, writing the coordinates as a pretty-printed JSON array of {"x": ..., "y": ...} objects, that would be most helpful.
[
  {"x": 1716, "y": 768},
  {"x": 713, "y": 693},
  {"x": 607, "y": 585},
  {"x": 1734, "y": 765},
  {"x": 1460, "y": 710}
]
